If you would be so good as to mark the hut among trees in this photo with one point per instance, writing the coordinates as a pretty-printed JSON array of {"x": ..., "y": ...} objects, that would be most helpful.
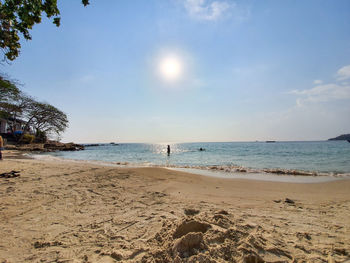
[{"x": 23, "y": 117}]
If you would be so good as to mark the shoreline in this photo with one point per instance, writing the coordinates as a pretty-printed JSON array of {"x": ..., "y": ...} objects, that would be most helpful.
[
  {"x": 225, "y": 172},
  {"x": 82, "y": 212},
  {"x": 272, "y": 177}
]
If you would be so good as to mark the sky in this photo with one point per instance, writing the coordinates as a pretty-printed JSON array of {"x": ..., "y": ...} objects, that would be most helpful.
[{"x": 193, "y": 70}]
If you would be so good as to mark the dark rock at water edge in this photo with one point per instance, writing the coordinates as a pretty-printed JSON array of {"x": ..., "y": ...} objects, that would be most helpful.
[
  {"x": 92, "y": 145},
  {"x": 59, "y": 146},
  {"x": 50, "y": 146},
  {"x": 343, "y": 137}
]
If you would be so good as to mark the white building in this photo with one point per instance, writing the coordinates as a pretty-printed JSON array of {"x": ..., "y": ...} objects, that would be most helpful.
[{"x": 6, "y": 124}]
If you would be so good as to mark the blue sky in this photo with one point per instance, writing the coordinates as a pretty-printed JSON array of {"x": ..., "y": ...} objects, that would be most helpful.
[{"x": 250, "y": 70}]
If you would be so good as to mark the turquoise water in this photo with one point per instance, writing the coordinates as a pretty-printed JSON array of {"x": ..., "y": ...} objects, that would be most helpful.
[{"x": 320, "y": 157}]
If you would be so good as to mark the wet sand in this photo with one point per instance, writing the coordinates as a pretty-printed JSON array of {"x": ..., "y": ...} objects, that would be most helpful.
[{"x": 61, "y": 211}]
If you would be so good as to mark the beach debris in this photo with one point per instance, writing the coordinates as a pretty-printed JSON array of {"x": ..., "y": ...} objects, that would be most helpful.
[
  {"x": 39, "y": 244},
  {"x": 191, "y": 211},
  {"x": 303, "y": 235},
  {"x": 116, "y": 256},
  {"x": 190, "y": 226},
  {"x": 185, "y": 245},
  {"x": 289, "y": 172},
  {"x": 289, "y": 201},
  {"x": 11, "y": 174},
  {"x": 277, "y": 201},
  {"x": 121, "y": 163},
  {"x": 92, "y": 191},
  {"x": 158, "y": 194}
]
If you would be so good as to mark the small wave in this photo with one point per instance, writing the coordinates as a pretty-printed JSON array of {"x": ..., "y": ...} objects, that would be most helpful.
[
  {"x": 224, "y": 169},
  {"x": 274, "y": 171},
  {"x": 285, "y": 178},
  {"x": 45, "y": 157}
]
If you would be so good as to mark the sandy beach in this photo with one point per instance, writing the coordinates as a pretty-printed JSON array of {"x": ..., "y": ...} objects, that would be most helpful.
[{"x": 65, "y": 211}]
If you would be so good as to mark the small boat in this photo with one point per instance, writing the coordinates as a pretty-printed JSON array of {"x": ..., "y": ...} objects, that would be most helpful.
[{"x": 270, "y": 141}]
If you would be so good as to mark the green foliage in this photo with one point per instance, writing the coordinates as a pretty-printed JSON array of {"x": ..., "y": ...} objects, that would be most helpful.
[
  {"x": 8, "y": 94},
  {"x": 8, "y": 90},
  {"x": 40, "y": 137},
  {"x": 19, "y": 16},
  {"x": 13, "y": 103},
  {"x": 44, "y": 118},
  {"x": 27, "y": 139}
]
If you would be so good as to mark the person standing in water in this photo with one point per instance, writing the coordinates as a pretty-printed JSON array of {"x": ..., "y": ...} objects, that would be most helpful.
[{"x": 168, "y": 150}]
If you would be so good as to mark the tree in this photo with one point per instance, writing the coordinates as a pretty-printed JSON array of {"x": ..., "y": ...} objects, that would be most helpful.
[
  {"x": 9, "y": 96},
  {"x": 8, "y": 90},
  {"x": 45, "y": 118},
  {"x": 18, "y": 17},
  {"x": 13, "y": 102}
]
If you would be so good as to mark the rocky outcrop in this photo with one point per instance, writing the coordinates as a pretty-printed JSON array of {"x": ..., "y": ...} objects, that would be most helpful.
[
  {"x": 341, "y": 138},
  {"x": 37, "y": 147},
  {"x": 59, "y": 146},
  {"x": 50, "y": 146}
]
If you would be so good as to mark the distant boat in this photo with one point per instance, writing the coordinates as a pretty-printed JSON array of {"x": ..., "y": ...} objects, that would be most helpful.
[{"x": 270, "y": 141}]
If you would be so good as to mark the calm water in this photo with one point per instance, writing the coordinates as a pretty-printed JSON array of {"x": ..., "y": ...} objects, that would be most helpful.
[{"x": 323, "y": 156}]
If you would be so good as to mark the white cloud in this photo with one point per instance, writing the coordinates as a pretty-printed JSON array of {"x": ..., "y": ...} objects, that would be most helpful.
[
  {"x": 343, "y": 73},
  {"x": 326, "y": 92},
  {"x": 317, "y": 82},
  {"x": 207, "y": 10},
  {"x": 87, "y": 78},
  {"x": 312, "y": 121}
]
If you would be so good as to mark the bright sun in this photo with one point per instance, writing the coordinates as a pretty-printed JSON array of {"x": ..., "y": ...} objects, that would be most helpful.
[{"x": 170, "y": 68}]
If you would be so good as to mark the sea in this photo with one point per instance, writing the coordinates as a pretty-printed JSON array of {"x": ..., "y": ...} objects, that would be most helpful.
[{"x": 320, "y": 159}]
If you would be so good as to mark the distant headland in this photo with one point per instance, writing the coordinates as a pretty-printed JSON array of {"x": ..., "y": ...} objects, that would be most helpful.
[{"x": 340, "y": 137}]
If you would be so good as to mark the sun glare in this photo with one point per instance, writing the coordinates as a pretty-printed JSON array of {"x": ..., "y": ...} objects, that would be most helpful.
[{"x": 170, "y": 68}]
